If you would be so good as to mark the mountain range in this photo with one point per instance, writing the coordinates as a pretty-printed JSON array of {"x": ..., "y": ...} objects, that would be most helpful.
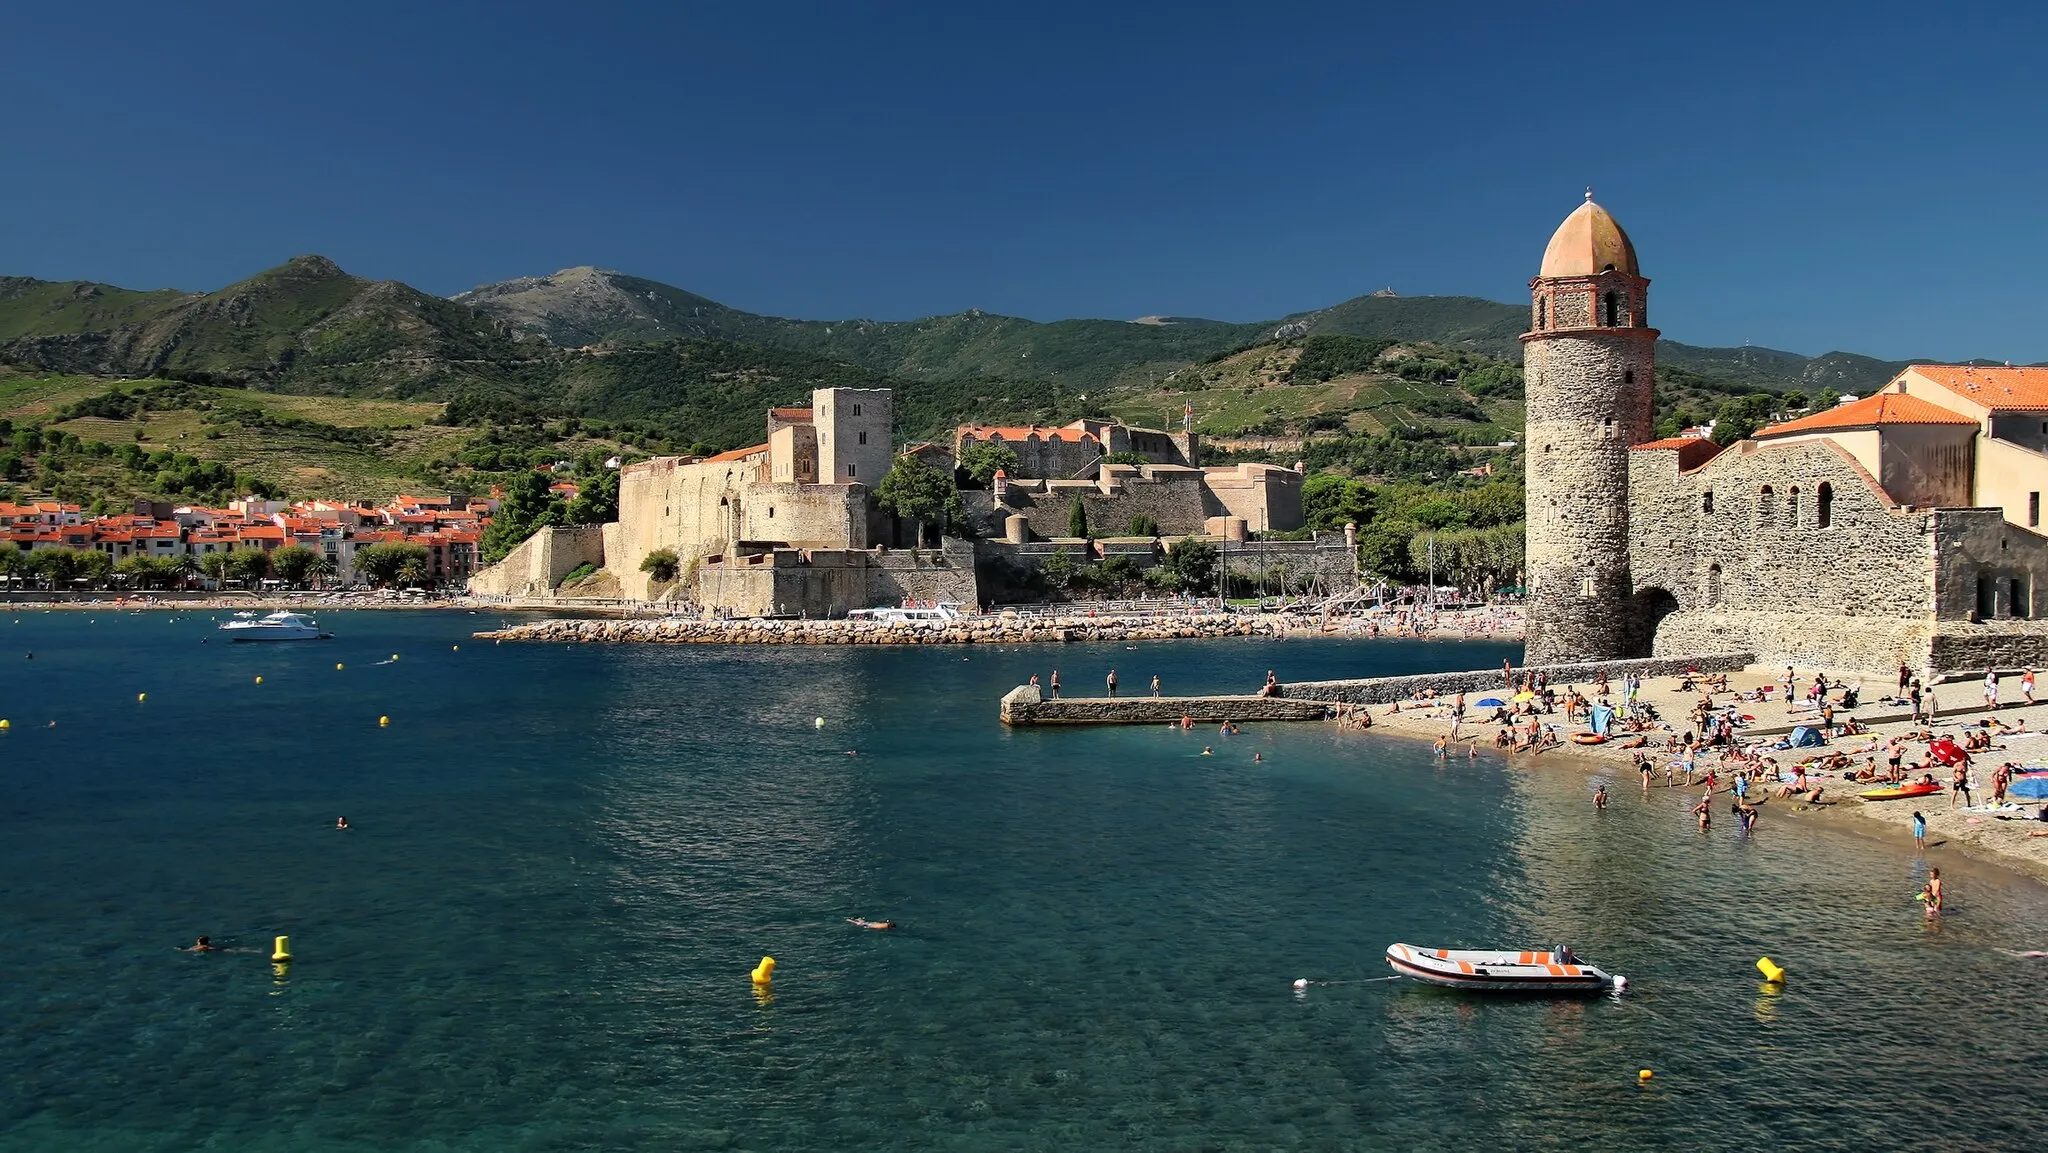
[{"x": 309, "y": 327}]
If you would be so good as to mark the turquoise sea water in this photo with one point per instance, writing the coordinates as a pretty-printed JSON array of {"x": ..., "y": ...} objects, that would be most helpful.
[{"x": 564, "y": 861}]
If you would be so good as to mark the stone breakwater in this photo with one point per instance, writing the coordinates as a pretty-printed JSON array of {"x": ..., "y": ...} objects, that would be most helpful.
[
  {"x": 1027, "y": 705},
  {"x": 988, "y": 630}
]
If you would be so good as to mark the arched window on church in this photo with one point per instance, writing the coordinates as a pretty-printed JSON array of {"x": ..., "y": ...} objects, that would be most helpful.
[
  {"x": 1824, "y": 505},
  {"x": 1707, "y": 501},
  {"x": 1792, "y": 506},
  {"x": 1713, "y": 585},
  {"x": 1610, "y": 306},
  {"x": 1766, "y": 503},
  {"x": 1541, "y": 311}
]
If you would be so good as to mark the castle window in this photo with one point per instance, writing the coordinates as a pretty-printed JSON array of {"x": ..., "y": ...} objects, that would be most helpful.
[
  {"x": 1628, "y": 376},
  {"x": 849, "y": 470},
  {"x": 863, "y": 438},
  {"x": 1610, "y": 308},
  {"x": 1792, "y": 506},
  {"x": 1586, "y": 587},
  {"x": 1713, "y": 585},
  {"x": 1707, "y": 501},
  {"x": 1607, "y": 429},
  {"x": 771, "y": 512},
  {"x": 2033, "y": 510},
  {"x": 856, "y": 410},
  {"x": 1766, "y": 503},
  {"x": 1824, "y": 505}
]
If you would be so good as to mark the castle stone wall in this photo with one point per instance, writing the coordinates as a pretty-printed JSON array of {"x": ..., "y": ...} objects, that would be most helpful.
[{"x": 541, "y": 561}]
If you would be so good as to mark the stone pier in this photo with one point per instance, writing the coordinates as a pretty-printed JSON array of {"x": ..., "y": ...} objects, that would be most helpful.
[{"x": 1027, "y": 705}]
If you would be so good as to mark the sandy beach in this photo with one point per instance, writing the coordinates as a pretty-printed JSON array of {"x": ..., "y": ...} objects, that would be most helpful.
[{"x": 1974, "y": 832}]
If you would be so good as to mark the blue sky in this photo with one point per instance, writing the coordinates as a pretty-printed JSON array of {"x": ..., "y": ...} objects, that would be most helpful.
[{"x": 1804, "y": 176}]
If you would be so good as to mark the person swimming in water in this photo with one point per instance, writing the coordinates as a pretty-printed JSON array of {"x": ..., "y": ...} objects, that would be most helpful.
[
  {"x": 341, "y": 822},
  {"x": 202, "y": 945},
  {"x": 864, "y": 923}
]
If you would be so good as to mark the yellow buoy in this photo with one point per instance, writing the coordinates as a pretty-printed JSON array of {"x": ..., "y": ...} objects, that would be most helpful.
[
  {"x": 1770, "y": 969},
  {"x": 1643, "y": 1074},
  {"x": 454, "y": 648},
  {"x": 283, "y": 950},
  {"x": 383, "y": 721},
  {"x": 765, "y": 971},
  {"x": 337, "y": 666},
  {"x": 818, "y": 722},
  {"x": 141, "y": 696},
  {"x": 259, "y": 680},
  {"x": 394, "y": 656},
  {"x": 5, "y": 724}
]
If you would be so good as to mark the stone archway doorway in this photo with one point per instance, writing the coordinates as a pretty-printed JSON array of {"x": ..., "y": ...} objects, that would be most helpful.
[{"x": 1648, "y": 607}]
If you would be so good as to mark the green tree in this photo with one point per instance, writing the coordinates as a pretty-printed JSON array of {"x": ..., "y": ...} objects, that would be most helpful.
[
  {"x": 1442, "y": 512},
  {"x": 1383, "y": 548},
  {"x": 139, "y": 571},
  {"x": 13, "y": 561},
  {"x": 1329, "y": 502},
  {"x": 919, "y": 493},
  {"x": 183, "y": 566},
  {"x": 250, "y": 564},
  {"x": 1077, "y": 519},
  {"x": 981, "y": 462},
  {"x": 1059, "y": 570},
  {"x": 597, "y": 502},
  {"x": 1740, "y": 416},
  {"x": 413, "y": 573},
  {"x": 384, "y": 563},
  {"x": 528, "y": 507},
  {"x": 292, "y": 563},
  {"x": 215, "y": 565},
  {"x": 1193, "y": 563},
  {"x": 94, "y": 566},
  {"x": 1142, "y": 525},
  {"x": 661, "y": 564},
  {"x": 321, "y": 567},
  {"x": 1127, "y": 458},
  {"x": 1828, "y": 399}
]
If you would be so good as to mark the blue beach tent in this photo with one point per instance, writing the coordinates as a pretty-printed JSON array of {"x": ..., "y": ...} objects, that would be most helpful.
[
  {"x": 2028, "y": 788},
  {"x": 1805, "y": 737}
]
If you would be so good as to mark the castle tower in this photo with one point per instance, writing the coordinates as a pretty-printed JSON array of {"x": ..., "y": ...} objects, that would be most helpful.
[
  {"x": 853, "y": 435},
  {"x": 1588, "y": 357}
]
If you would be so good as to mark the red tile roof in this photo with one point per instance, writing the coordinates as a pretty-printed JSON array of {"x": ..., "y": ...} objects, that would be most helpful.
[
  {"x": 1996, "y": 388},
  {"x": 790, "y": 413},
  {"x": 989, "y": 432},
  {"x": 736, "y": 454},
  {"x": 1871, "y": 411}
]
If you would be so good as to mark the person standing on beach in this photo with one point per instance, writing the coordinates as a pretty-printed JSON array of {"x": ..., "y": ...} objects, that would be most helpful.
[
  {"x": 1111, "y": 682},
  {"x": 1054, "y": 684},
  {"x": 1990, "y": 690},
  {"x": 1905, "y": 678},
  {"x": 1962, "y": 785},
  {"x": 1919, "y": 832},
  {"x": 1913, "y": 695},
  {"x": 2027, "y": 684},
  {"x": 1155, "y": 684}
]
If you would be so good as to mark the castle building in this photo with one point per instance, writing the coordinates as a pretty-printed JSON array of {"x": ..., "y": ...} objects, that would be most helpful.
[{"x": 1902, "y": 528}]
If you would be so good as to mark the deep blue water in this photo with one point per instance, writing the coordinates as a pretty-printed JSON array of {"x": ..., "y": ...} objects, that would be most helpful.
[{"x": 565, "y": 860}]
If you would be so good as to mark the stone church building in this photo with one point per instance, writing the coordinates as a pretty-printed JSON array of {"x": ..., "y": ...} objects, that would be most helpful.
[{"x": 1902, "y": 528}]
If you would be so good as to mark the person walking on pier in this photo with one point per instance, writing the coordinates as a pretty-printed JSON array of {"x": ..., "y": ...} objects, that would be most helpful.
[
  {"x": 1054, "y": 684},
  {"x": 1155, "y": 684},
  {"x": 1111, "y": 682}
]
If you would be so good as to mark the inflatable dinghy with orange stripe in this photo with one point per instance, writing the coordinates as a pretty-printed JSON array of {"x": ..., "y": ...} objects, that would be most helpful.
[{"x": 1500, "y": 970}]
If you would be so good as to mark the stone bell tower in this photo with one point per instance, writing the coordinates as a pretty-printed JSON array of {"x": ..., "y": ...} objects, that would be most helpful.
[{"x": 1588, "y": 358}]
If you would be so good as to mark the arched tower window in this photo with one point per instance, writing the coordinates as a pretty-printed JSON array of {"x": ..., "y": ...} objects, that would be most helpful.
[
  {"x": 1542, "y": 311},
  {"x": 1792, "y": 506},
  {"x": 1610, "y": 310},
  {"x": 1628, "y": 376},
  {"x": 1824, "y": 505},
  {"x": 1766, "y": 503},
  {"x": 1713, "y": 585},
  {"x": 1707, "y": 501}
]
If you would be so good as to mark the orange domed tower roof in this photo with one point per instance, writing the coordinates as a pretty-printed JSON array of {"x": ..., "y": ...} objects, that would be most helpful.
[{"x": 1589, "y": 243}]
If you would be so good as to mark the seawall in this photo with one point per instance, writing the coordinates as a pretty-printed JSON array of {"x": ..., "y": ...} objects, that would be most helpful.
[
  {"x": 974, "y": 630},
  {"x": 1318, "y": 700},
  {"x": 1027, "y": 705}
]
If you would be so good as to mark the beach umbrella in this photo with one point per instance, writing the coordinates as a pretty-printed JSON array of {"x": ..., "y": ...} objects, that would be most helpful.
[
  {"x": 1491, "y": 702},
  {"x": 2032, "y": 787},
  {"x": 1525, "y": 695}
]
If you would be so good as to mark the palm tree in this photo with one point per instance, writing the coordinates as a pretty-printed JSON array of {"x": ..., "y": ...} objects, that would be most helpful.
[
  {"x": 413, "y": 573},
  {"x": 182, "y": 566},
  {"x": 216, "y": 566},
  {"x": 321, "y": 567}
]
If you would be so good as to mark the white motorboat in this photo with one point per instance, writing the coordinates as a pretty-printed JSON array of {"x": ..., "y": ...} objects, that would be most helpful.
[
  {"x": 278, "y": 626},
  {"x": 928, "y": 612},
  {"x": 1503, "y": 970}
]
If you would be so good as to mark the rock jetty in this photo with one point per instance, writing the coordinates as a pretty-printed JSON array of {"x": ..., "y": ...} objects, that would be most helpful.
[{"x": 994, "y": 629}]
